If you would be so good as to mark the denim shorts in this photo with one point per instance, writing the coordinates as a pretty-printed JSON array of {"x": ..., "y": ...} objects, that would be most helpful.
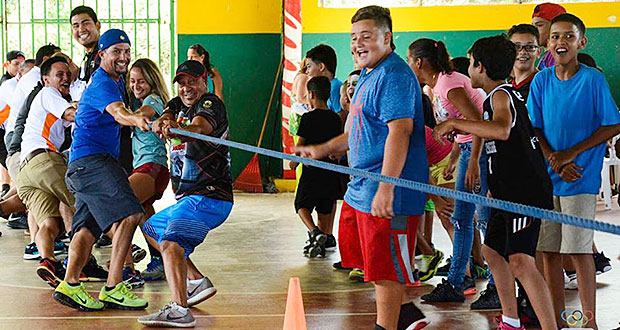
[
  {"x": 102, "y": 193},
  {"x": 188, "y": 222}
]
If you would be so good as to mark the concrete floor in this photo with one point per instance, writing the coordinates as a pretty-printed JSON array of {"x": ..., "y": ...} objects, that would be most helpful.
[{"x": 250, "y": 259}]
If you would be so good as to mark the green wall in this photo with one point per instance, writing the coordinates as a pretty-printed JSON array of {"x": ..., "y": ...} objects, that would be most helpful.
[
  {"x": 603, "y": 45},
  {"x": 248, "y": 64}
]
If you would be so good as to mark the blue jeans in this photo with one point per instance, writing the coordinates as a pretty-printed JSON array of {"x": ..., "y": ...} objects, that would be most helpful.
[{"x": 463, "y": 216}]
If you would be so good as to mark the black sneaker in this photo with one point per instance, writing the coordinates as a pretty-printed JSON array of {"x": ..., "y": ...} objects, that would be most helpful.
[
  {"x": 104, "y": 242},
  {"x": 469, "y": 286},
  {"x": 444, "y": 292},
  {"x": 443, "y": 270},
  {"x": 93, "y": 272},
  {"x": 309, "y": 243},
  {"x": 137, "y": 253},
  {"x": 411, "y": 318},
  {"x": 18, "y": 221},
  {"x": 489, "y": 299},
  {"x": 602, "y": 263},
  {"x": 330, "y": 243},
  {"x": 338, "y": 266},
  {"x": 526, "y": 312},
  {"x": 318, "y": 246}
]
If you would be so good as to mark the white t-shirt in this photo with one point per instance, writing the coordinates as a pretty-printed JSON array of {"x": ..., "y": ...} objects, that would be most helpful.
[
  {"x": 25, "y": 85},
  {"x": 6, "y": 92},
  {"x": 45, "y": 127}
]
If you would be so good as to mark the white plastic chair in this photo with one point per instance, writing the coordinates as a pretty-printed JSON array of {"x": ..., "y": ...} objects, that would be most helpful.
[{"x": 605, "y": 173}]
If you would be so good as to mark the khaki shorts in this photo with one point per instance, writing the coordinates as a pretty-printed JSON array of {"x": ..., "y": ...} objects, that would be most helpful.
[
  {"x": 566, "y": 239},
  {"x": 12, "y": 165},
  {"x": 436, "y": 171},
  {"x": 41, "y": 185}
]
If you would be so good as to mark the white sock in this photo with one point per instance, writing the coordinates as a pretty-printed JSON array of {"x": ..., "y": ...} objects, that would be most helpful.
[
  {"x": 515, "y": 323},
  {"x": 196, "y": 282},
  {"x": 182, "y": 309}
]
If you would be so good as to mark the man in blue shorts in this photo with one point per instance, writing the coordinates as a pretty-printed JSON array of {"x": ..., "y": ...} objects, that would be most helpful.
[
  {"x": 201, "y": 181},
  {"x": 103, "y": 196}
]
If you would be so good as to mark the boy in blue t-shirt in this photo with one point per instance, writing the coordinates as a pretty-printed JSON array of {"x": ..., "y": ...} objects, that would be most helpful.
[
  {"x": 386, "y": 136},
  {"x": 322, "y": 61},
  {"x": 574, "y": 114}
]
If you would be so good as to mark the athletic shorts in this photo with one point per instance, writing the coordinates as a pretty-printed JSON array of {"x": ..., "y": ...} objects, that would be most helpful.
[
  {"x": 387, "y": 246},
  {"x": 41, "y": 185},
  {"x": 12, "y": 165},
  {"x": 510, "y": 233},
  {"x": 102, "y": 193},
  {"x": 566, "y": 239},
  {"x": 3, "y": 149},
  {"x": 309, "y": 202},
  {"x": 160, "y": 174},
  {"x": 348, "y": 239},
  {"x": 187, "y": 222},
  {"x": 436, "y": 171}
]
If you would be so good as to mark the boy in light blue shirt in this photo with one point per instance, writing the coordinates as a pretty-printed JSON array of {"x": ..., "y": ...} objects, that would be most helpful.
[{"x": 574, "y": 114}]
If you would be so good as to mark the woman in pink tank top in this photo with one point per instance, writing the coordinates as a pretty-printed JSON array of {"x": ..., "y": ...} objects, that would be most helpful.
[{"x": 455, "y": 98}]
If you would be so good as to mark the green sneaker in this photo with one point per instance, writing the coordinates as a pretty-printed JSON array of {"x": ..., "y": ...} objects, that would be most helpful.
[
  {"x": 429, "y": 265},
  {"x": 76, "y": 297},
  {"x": 121, "y": 298}
]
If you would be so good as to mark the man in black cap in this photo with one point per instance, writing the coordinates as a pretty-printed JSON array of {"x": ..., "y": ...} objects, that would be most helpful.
[
  {"x": 201, "y": 180},
  {"x": 14, "y": 59}
]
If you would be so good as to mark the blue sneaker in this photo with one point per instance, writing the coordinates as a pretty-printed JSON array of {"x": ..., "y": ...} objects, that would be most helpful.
[
  {"x": 60, "y": 248},
  {"x": 154, "y": 270},
  {"x": 31, "y": 252}
]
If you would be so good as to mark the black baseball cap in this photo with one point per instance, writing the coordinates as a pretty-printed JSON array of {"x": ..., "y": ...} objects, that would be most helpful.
[
  {"x": 14, "y": 54},
  {"x": 190, "y": 68}
]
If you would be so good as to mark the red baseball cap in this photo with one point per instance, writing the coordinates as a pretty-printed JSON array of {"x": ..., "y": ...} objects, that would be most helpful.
[{"x": 548, "y": 11}]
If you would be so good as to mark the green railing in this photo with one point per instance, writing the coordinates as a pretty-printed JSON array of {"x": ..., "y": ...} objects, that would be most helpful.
[{"x": 28, "y": 24}]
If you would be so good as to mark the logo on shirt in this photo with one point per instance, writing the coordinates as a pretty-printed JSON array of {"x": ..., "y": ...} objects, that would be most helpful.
[
  {"x": 357, "y": 120},
  {"x": 489, "y": 147},
  {"x": 441, "y": 112},
  {"x": 207, "y": 104}
]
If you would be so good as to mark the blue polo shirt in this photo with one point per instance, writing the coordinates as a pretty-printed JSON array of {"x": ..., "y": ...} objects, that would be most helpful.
[
  {"x": 390, "y": 91},
  {"x": 95, "y": 131},
  {"x": 569, "y": 112},
  {"x": 334, "y": 97}
]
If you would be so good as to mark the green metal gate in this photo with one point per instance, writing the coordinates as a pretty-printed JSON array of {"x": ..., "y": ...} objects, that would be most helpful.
[{"x": 30, "y": 24}]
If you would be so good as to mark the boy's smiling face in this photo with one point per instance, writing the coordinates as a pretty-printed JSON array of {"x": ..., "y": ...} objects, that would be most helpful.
[
  {"x": 565, "y": 41},
  {"x": 527, "y": 50}
]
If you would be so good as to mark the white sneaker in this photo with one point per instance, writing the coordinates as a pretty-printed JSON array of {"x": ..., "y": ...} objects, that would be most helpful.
[
  {"x": 197, "y": 293},
  {"x": 169, "y": 316},
  {"x": 570, "y": 281}
]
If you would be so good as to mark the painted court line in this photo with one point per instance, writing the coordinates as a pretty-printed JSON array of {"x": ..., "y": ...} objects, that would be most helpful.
[
  {"x": 219, "y": 293},
  {"x": 124, "y": 317}
]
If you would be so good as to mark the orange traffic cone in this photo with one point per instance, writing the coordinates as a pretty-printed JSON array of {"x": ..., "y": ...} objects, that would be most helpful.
[{"x": 294, "y": 317}]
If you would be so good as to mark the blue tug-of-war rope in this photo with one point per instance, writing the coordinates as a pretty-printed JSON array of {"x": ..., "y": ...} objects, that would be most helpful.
[{"x": 423, "y": 187}]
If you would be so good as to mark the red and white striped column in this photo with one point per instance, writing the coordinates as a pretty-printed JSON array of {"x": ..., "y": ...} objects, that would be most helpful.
[{"x": 292, "y": 60}]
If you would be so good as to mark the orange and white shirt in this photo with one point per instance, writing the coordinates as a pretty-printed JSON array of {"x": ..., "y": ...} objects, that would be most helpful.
[
  {"x": 45, "y": 127},
  {"x": 6, "y": 92}
]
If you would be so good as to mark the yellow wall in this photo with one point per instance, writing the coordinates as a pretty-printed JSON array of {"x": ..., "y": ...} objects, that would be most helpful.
[
  {"x": 316, "y": 19},
  {"x": 228, "y": 16}
]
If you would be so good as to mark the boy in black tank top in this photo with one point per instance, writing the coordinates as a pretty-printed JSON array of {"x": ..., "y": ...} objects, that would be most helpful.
[{"x": 517, "y": 173}]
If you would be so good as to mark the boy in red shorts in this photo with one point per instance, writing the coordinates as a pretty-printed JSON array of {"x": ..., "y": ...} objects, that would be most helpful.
[{"x": 387, "y": 137}]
